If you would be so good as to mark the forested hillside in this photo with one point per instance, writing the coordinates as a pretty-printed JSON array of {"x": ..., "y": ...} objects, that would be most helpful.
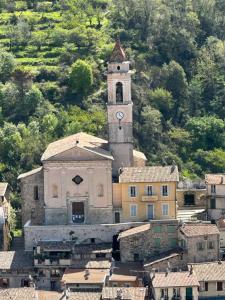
[{"x": 53, "y": 58}]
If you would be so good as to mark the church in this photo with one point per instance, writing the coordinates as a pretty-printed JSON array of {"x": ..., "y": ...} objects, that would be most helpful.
[{"x": 79, "y": 180}]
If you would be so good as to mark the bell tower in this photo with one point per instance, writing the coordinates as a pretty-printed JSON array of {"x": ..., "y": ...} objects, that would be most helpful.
[{"x": 119, "y": 109}]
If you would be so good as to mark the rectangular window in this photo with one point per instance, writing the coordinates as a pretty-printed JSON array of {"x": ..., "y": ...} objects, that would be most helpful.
[
  {"x": 171, "y": 229},
  {"x": 136, "y": 257},
  {"x": 212, "y": 203},
  {"x": 133, "y": 191},
  {"x": 133, "y": 210},
  {"x": 176, "y": 292},
  {"x": 164, "y": 293},
  {"x": 211, "y": 245},
  {"x": 157, "y": 242},
  {"x": 165, "y": 190},
  {"x": 182, "y": 244},
  {"x": 149, "y": 190},
  {"x": 213, "y": 189},
  {"x": 36, "y": 193},
  {"x": 206, "y": 286},
  {"x": 200, "y": 246},
  {"x": 219, "y": 285},
  {"x": 157, "y": 229},
  {"x": 165, "y": 209},
  {"x": 172, "y": 242}
]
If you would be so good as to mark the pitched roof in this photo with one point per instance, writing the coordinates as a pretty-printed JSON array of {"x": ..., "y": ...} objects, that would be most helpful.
[
  {"x": 134, "y": 230},
  {"x": 198, "y": 229},
  {"x": 11, "y": 260},
  {"x": 81, "y": 140},
  {"x": 130, "y": 293},
  {"x": 24, "y": 293},
  {"x": 91, "y": 264},
  {"x": 84, "y": 276},
  {"x": 122, "y": 278},
  {"x": 3, "y": 188},
  {"x": 118, "y": 54},
  {"x": 149, "y": 174},
  {"x": 84, "y": 296},
  {"x": 32, "y": 172},
  {"x": 209, "y": 271},
  {"x": 174, "y": 279},
  {"x": 215, "y": 178}
]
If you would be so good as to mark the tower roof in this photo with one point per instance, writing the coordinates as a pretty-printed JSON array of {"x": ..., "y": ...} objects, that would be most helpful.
[{"x": 118, "y": 54}]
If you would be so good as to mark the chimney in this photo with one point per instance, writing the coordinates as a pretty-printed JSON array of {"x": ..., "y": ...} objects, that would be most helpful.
[
  {"x": 191, "y": 270},
  {"x": 86, "y": 274}
]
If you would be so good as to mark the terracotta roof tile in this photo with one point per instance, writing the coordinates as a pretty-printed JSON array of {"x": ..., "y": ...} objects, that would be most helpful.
[
  {"x": 198, "y": 229},
  {"x": 32, "y": 172},
  {"x": 215, "y": 178},
  {"x": 131, "y": 293},
  {"x": 15, "y": 260},
  {"x": 150, "y": 174},
  {"x": 209, "y": 271},
  {"x": 118, "y": 54},
  {"x": 174, "y": 279},
  {"x": 85, "y": 296},
  {"x": 83, "y": 276},
  {"x": 134, "y": 230},
  {"x": 18, "y": 294}
]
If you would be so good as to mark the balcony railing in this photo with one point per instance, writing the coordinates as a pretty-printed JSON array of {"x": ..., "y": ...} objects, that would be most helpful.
[
  {"x": 149, "y": 198},
  {"x": 76, "y": 219}
]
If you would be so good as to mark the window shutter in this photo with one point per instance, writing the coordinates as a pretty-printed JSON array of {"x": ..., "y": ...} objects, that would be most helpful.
[
  {"x": 146, "y": 190},
  {"x": 129, "y": 193}
]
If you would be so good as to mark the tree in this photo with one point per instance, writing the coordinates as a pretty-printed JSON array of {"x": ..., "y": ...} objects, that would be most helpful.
[
  {"x": 162, "y": 100},
  {"x": 81, "y": 77},
  {"x": 7, "y": 65}
]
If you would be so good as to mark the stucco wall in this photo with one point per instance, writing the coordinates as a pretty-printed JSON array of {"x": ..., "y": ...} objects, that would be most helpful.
[{"x": 101, "y": 232}]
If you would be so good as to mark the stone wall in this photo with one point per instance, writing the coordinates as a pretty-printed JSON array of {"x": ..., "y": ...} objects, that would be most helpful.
[
  {"x": 31, "y": 208},
  {"x": 199, "y": 197},
  {"x": 101, "y": 232},
  {"x": 161, "y": 237}
]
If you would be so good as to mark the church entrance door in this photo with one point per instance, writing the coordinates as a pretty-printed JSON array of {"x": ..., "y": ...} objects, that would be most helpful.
[{"x": 78, "y": 212}]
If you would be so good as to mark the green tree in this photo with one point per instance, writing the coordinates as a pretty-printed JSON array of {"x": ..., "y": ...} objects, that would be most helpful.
[{"x": 7, "y": 65}]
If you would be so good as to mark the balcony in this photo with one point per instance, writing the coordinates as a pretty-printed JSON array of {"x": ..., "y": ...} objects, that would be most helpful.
[{"x": 149, "y": 198}]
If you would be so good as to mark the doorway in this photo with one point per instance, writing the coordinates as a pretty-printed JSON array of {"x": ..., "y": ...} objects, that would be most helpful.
[
  {"x": 150, "y": 211},
  {"x": 189, "y": 199},
  {"x": 78, "y": 212},
  {"x": 189, "y": 293}
]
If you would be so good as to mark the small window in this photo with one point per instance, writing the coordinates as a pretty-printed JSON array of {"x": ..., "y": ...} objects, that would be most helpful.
[
  {"x": 55, "y": 191},
  {"x": 200, "y": 246},
  {"x": 133, "y": 210},
  {"x": 213, "y": 189},
  {"x": 119, "y": 92},
  {"x": 92, "y": 241},
  {"x": 136, "y": 257},
  {"x": 219, "y": 285},
  {"x": 164, "y": 293},
  {"x": 36, "y": 193},
  {"x": 165, "y": 190},
  {"x": 211, "y": 245},
  {"x": 126, "y": 284},
  {"x": 100, "y": 190},
  {"x": 118, "y": 68},
  {"x": 206, "y": 286},
  {"x": 149, "y": 190},
  {"x": 213, "y": 203},
  {"x": 165, "y": 209},
  {"x": 133, "y": 191},
  {"x": 157, "y": 242}
]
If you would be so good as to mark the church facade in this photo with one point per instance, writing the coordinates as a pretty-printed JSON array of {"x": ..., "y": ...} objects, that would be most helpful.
[{"x": 74, "y": 185}]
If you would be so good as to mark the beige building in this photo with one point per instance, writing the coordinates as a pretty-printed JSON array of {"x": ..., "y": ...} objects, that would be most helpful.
[
  {"x": 174, "y": 286},
  {"x": 4, "y": 216},
  {"x": 200, "y": 241},
  {"x": 215, "y": 184},
  {"x": 211, "y": 277},
  {"x": 130, "y": 293}
]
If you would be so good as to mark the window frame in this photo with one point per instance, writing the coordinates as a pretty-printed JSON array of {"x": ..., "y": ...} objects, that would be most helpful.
[
  {"x": 165, "y": 205},
  {"x": 217, "y": 286},
  {"x": 36, "y": 193},
  {"x": 167, "y": 190},
  {"x": 200, "y": 248},
  {"x": 213, "y": 189},
  {"x": 136, "y": 208},
  {"x": 131, "y": 195},
  {"x": 149, "y": 187}
]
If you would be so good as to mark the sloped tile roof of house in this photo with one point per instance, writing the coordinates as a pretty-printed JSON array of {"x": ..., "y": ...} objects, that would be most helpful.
[
  {"x": 32, "y": 172},
  {"x": 150, "y": 174},
  {"x": 134, "y": 230},
  {"x": 81, "y": 140},
  {"x": 215, "y": 178},
  {"x": 3, "y": 188},
  {"x": 24, "y": 293},
  {"x": 209, "y": 271},
  {"x": 84, "y": 296},
  {"x": 84, "y": 276},
  {"x": 131, "y": 293},
  {"x": 11, "y": 260},
  {"x": 198, "y": 229},
  {"x": 118, "y": 54},
  {"x": 174, "y": 279}
]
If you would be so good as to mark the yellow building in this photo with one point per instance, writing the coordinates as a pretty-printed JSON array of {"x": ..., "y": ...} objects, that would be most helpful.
[{"x": 145, "y": 193}]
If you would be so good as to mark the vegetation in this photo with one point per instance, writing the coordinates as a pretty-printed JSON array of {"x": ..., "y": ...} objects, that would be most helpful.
[{"x": 52, "y": 71}]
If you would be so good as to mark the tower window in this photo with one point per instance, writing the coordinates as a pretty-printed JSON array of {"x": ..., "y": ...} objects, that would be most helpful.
[
  {"x": 118, "y": 68},
  {"x": 55, "y": 191},
  {"x": 119, "y": 92}
]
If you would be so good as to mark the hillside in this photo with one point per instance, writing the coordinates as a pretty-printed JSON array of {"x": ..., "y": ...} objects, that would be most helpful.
[{"x": 52, "y": 68}]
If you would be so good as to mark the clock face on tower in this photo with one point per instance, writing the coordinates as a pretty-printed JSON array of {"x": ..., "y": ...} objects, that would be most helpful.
[{"x": 119, "y": 115}]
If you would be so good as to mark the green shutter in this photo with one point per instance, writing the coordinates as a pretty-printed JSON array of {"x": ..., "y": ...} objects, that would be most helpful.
[
  {"x": 157, "y": 229},
  {"x": 172, "y": 242},
  {"x": 171, "y": 229},
  {"x": 157, "y": 242}
]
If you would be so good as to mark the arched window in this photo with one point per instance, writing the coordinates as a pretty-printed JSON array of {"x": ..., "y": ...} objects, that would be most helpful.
[
  {"x": 55, "y": 191},
  {"x": 119, "y": 92},
  {"x": 100, "y": 190}
]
